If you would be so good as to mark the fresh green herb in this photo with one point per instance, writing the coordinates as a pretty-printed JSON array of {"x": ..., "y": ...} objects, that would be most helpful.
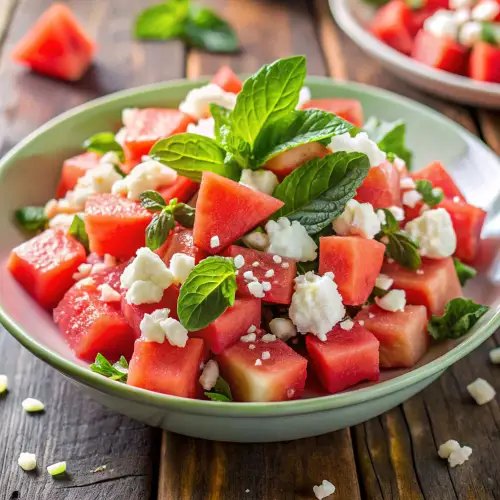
[
  {"x": 459, "y": 317},
  {"x": 119, "y": 171},
  {"x": 152, "y": 201},
  {"x": 316, "y": 193},
  {"x": 159, "y": 229},
  {"x": 222, "y": 118},
  {"x": 163, "y": 21},
  {"x": 491, "y": 33},
  {"x": 377, "y": 292},
  {"x": 103, "y": 143},
  {"x": 117, "y": 371},
  {"x": 464, "y": 272},
  {"x": 220, "y": 392},
  {"x": 184, "y": 215},
  {"x": 430, "y": 195},
  {"x": 413, "y": 4},
  {"x": 390, "y": 138},
  {"x": 305, "y": 267},
  {"x": 77, "y": 230},
  {"x": 32, "y": 219},
  {"x": 207, "y": 292},
  {"x": 400, "y": 245}
]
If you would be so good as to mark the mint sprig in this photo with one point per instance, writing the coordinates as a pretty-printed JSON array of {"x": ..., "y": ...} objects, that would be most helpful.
[
  {"x": 464, "y": 272},
  {"x": 430, "y": 195},
  {"x": 103, "y": 143},
  {"x": 459, "y": 317},
  {"x": 207, "y": 292},
  {"x": 220, "y": 392},
  {"x": 32, "y": 219},
  {"x": 117, "y": 371},
  {"x": 78, "y": 231}
]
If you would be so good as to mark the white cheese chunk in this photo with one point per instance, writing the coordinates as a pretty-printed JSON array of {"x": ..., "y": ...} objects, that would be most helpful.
[
  {"x": 180, "y": 266},
  {"x": 210, "y": 375},
  {"x": 411, "y": 198},
  {"x": 266, "y": 355},
  {"x": 258, "y": 362},
  {"x": 460, "y": 456},
  {"x": 197, "y": 102},
  {"x": 32, "y": 405},
  {"x": 359, "y": 144},
  {"x": 204, "y": 127},
  {"x": 358, "y": 219},
  {"x": 27, "y": 461},
  {"x": 259, "y": 180},
  {"x": 383, "y": 281},
  {"x": 462, "y": 16},
  {"x": 256, "y": 289},
  {"x": 151, "y": 329},
  {"x": 108, "y": 294},
  {"x": 61, "y": 222},
  {"x": 398, "y": 212},
  {"x": 486, "y": 11},
  {"x": 407, "y": 183},
  {"x": 347, "y": 324},
  {"x": 325, "y": 489},
  {"x": 290, "y": 239},
  {"x": 470, "y": 33},
  {"x": 442, "y": 24},
  {"x": 304, "y": 97},
  {"x": 494, "y": 357},
  {"x": 176, "y": 334},
  {"x": 4, "y": 383},
  {"x": 394, "y": 301},
  {"x": 268, "y": 337},
  {"x": 282, "y": 328},
  {"x": 239, "y": 261},
  {"x": 83, "y": 271},
  {"x": 481, "y": 391},
  {"x": 249, "y": 337},
  {"x": 214, "y": 241},
  {"x": 446, "y": 449}
]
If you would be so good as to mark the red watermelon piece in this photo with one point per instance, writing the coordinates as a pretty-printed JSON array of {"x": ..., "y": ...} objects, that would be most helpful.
[
  {"x": 381, "y": 187},
  {"x": 484, "y": 63},
  {"x": 74, "y": 168},
  {"x": 436, "y": 174},
  {"x": 183, "y": 189},
  {"x": 115, "y": 225},
  {"x": 280, "y": 378},
  {"x": 181, "y": 241},
  {"x": 227, "y": 80},
  {"x": 285, "y": 163},
  {"x": 45, "y": 265},
  {"x": 165, "y": 368},
  {"x": 56, "y": 45},
  {"x": 345, "y": 358},
  {"x": 228, "y": 210},
  {"x": 282, "y": 281},
  {"x": 348, "y": 109},
  {"x": 341, "y": 255},
  {"x": 402, "y": 335},
  {"x": 433, "y": 287}
]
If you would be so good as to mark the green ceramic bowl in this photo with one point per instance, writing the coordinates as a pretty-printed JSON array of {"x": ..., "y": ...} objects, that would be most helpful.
[{"x": 29, "y": 173}]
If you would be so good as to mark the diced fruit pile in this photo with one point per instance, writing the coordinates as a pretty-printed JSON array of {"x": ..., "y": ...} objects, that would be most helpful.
[
  {"x": 307, "y": 226},
  {"x": 458, "y": 36}
]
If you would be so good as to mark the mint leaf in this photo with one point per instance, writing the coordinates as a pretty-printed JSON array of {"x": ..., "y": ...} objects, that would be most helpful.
[
  {"x": 376, "y": 292},
  {"x": 184, "y": 215},
  {"x": 390, "y": 137},
  {"x": 206, "y": 30},
  {"x": 222, "y": 118},
  {"x": 32, "y": 219},
  {"x": 118, "y": 371},
  {"x": 491, "y": 33},
  {"x": 464, "y": 272},
  {"x": 295, "y": 129},
  {"x": 159, "y": 229},
  {"x": 220, "y": 392},
  {"x": 191, "y": 155},
  {"x": 207, "y": 292},
  {"x": 268, "y": 95},
  {"x": 164, "y": 21},
  {"x": 459, "y": 317},
  {"x": 305, "y": 267},
  {"x": 391, "y": 224},
  {"x": 78, "y": 231},
  {"x": 430, "y": 195},
  {"x": 103, "y": 143},
  {"x": 152, "y": 201},
  {"x": 316, "y": 193}
]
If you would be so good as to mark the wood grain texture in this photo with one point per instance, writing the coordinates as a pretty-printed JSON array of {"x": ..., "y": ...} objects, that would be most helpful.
[{"x": 73, "y": 428}]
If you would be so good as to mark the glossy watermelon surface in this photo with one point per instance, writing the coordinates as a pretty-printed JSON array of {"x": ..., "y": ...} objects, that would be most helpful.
[
  {"x": 436, "y": 174},
  {"x": 348, "y": 109},
  {"x": 381, "y": 187},
  {"x": 74, "y": 168},
  {"x": 181, "y": 241}
]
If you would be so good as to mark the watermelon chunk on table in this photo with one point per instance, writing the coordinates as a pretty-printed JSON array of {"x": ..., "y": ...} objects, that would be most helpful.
[
  {"x": 183, "y": 189},
  {"x": 435, "y": 285},
  {"x": 56, "y": 45},
  {"x": 227, "y": 80},
  {"x": 348, "y": 109},
  {"x": 91, "y": 326},
  {"x": 280, "y": 378},
  {"x": 484, "y": 63},
  {"x": 285, "y": 163},
  {"x": 381, "y": 187},
  {"x": 342, "y": 256},
  {"x": 45, "y": 265},
  {"x": 436, "y": 174},
  {"x": 402, "y": 335},
  {"x": 228, "y": 210},
  {"x": 144, "y": 127},
  {"x": 282, "y": 281},
  {"x": 345, "y": 358},
  {"x": 181, "y": 241},
  {"x": 115, "y": 225},
  {"x": 74, "y": 168},
  {"x": 167, "y": 369}
]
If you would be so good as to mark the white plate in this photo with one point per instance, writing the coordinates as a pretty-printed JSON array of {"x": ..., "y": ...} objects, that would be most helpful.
[{"x": 354, "y": 16}]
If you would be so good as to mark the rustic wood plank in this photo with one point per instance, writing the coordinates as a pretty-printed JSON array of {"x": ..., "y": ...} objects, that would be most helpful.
[
  {"x": 73, "y": 428},
  {"x": 490, "y": 128}
]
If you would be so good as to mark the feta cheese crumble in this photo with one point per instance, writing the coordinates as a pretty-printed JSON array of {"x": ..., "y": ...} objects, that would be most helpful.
[
  {"x": 214, "y": 242},
  {"x": 255, "y": 264},
  {"x": 460, "y": 456},
  {"x": 252, "y": 329},
  {"x": 494, "y": 358},
  {"x": 27, "y": 461},
  {"x": 359, "y": 144},
  {"x": 470, "y": 33},
  {"x": 239, "y": 261},
  {"x": 383, "y": 281},
  {"x": 282, "y": 328},
  {"x": 268, "y": 337},
  {"x": 61, "y": 222},
  {"x": 266, "y": 286},
  {"x": 481, "y": 391},
  {"x": 108, "y": 294},
  {"x": 158, "y": 326},
  {"x": 258, "y": 362},
  {"x": 325, "y": 489},
  {"x": 32, "y": 405},
  {"x": 210, "y": 375},
  {"x": 197, "y": 102},
  {"x": 347, "y": 324},
  {"x": 259, "y": 180},
  {"x": 285, "y": 265},
  {"x": 316, "y": 305},
  {"x": 446, "y": 449},
  {"x": 394, "y": 301},
  {"x": 56, "y": 469},
  {"x": 398, "y": 212},
  {"x": 256, "y": 289},
  {"x": 411, "y": 198},
  {"x": 180, "y": 266},
  {"x": 290, "y": 239},
  {"x": 266, "y": 355},
  {"x": 357, "y": 218},
  {"x": 434, "y": 233},
  {"x": 486, "y": 11},
  {"x": 442, "y": 24},
  {"x": 4, "y": 383},
  {"x": 248, "y": 275},
  {"x": 249, "y": 337},
  {"x": 269, "y": 273},
  {"x": 277, "y": 259},
  {"x": 407, "y": 183},
  {"x": 204, "y": 127}
]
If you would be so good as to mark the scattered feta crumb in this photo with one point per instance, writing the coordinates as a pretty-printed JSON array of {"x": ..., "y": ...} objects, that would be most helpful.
[
  {"x": 282, "y": 328},
  {"x": 61, "y": 222},
  {"x": 181, "y": 265},
  {"x": 394, "y": 301},
  {"x": 400, "y": 164},
  {"x": 4, "y": 383},
  {"x": 260, "y": 180},
  {"x": 470, "y": 33},
  {"x": 359, "y": 144},
  {"x": 32, "y": 405},
  {"x": 398, "y": 212},
  {"x": 304, "y": 96},
  {"x": 256, "y": 289},
  {"x": 86, "y": 282},
  {"x": 371, "y": 315},
  {"x": 494, "y": 358},
  {"x": 446, "y": 449},
  {"x": 269, "y": 273},
  {"x": 214, "y": 242},
  {"x": 407, "y": 183},
  {"x": 97, "y": 268},
  {"x": 239, "y": 261},
  {"x": 268, "y": 337},
  {"x": 347, "y": 324},
  {"x": 158, "y": 326},
  {"x": 456, "y": 199},
  {"x": 486, "y": 11},
  {"x": 277, "y": 259},
  {"x": 390, "y": 260},
  {"x": 258, "y": 362},
  {"x": 83, "y": 271},
  {"x": 266, "y": 355},
  {"x": 256, "y": 239},
  {"x": 256, "y": 264},
  {"x": 420, "y": 271},
  {"x": 290, "y": 393},
  {"x": 251, "y": 346},
  {"x": 108, "y": 294},
  {"x": 248, "y": 275},
  {"x": 27, "y": 461},
  {"x": 197, "y": 102},
  {"x": 459, "y": 457},
  {"x": 210, "y": 375},
  {"x": 325, "y": 489},
  {"x": 411, "y": 198},
  {"x": 381, "y": 217},
  {"x": 56, "y": 469},
  {"x": 176, "y": 334},
  {"x": 252, "y": 329},
  {"x": 290, "y": 239},
  {"x": 384, "y": 282},
  {"x": 442, "y": 24},
  {"x": 249, "y": 337},
  {"x": 329, "y": 275},
  {"x": 358, "y": 219},
  {"x": 204, "y": 127},
  {"x": 481, "y": 391},
  {"x": 361, "y": 322},
  {"x": 285, "y": 265},
  {"x": 266, "y": 286}
]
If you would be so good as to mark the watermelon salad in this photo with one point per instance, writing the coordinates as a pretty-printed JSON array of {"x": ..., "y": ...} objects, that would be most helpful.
[
  {"x": 250, "y": 242},
  {"x": 458, "y": 36}
]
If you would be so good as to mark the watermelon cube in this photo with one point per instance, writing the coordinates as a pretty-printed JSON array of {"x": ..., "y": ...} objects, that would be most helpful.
[
  {"x": 165, "y": 368},
  {"x": 345, "y": 358},
  {"x": 433, "y": 286},
  {"x": 56, "y": 45},
  {"x": 484, "y": 63},
  {"x": 144, "y": 127},
  {"x": 282, "y": 279},
  {"x": 183, "y": 189},
  {"x": 285, "y": 163},
  {"x": 227, "y": 80},
  {"x": 342, "y": 255},
  {"x": 402, "y": 335},
  {"x": 226, "y": 210},
  {"x": 436, "y": 174},
  {"x": 468, "y": 222},
  {"x": 181, "y": 241},
  {"x": 91, "y": 326},
  {"x": 227, "y": 329},
  {"x": 381, "y": 187},
  {"x": 281, "y": 377},
  {"x": 348, "y": 109},
  {"x": 74, "y": 168},
  {"x": 115, "y": 225},
  {"x": 45, "y": 265}
]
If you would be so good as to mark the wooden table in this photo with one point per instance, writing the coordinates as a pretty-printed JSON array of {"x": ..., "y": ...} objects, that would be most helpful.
[{"x": 390, "y": 457}]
